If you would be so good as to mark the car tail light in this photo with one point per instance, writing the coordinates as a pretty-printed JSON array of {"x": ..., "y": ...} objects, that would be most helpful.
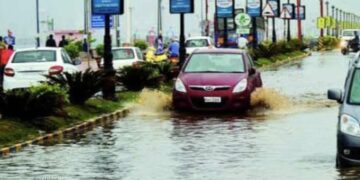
[
  {"x": 55, "y": 70},
  {"x": 9, "y": 72}
]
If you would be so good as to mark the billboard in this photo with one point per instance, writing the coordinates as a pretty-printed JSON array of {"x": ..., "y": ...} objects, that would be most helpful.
[
  {"x": 181, "y": 6},
  {"x": 254, "y": 8}
]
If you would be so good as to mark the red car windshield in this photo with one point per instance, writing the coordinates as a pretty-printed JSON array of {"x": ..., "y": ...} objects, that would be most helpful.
[{"x": 215, "y": 63}]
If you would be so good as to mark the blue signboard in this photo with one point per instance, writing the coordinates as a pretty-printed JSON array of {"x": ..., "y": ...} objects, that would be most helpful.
[
  {"x": 225, "y": 8},
  {"x": 254, "y": 8},
  {"x": 302, "y": 13},
  {"x": 98, "y": 21},
  {"x": 100, "y": 7},
  {"x": 275, "y": 6},
  {"x": 291, "y": 9},
  {"x": 181, "y": 6}
]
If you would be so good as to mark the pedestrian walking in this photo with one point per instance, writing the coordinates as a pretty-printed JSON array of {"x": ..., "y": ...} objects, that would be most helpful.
[
  {"x": 63, "y": 42},
  {"x": 50, "y": 42},
  {"x": 10, "y": 39}
]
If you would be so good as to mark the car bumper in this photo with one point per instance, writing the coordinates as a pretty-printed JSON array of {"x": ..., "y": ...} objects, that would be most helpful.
[
  {"x": 10, "y": 83},
  {"x": 349, "y": 149},
  {"x": 230, "y": 102}
]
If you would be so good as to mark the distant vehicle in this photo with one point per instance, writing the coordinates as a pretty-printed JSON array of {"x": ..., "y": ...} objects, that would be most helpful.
[
  {"x": 27, "y": 67},
  {"x": 346, "y": 44},
  {"x": 348, "y": 133},
  {"x": 200, "y": 42},
  {"x": 125, "y": 56},
  {"x": 216, "y": 79}
]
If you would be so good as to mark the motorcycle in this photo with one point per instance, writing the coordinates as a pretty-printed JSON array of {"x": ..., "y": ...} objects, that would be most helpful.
[{"x": 349, "y": 46}]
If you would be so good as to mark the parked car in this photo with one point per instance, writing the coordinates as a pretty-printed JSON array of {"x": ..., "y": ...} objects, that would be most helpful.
[
  {"x": 216, "y": 79},
  {"x": 200, "y": 42},
  {"x": 27, "y": 67},
  {"x": 348, "y": 133},
  {"x": 125, "y": 56}
]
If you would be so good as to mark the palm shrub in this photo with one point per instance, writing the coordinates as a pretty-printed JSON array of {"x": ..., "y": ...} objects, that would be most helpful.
[
  {"x": 80, "y": 86},
  {"x": 35, "y": 102},
  {"x": 139, "y": 76},
  {"x": 73, "y": 50},
  {"x": 141, "y": 44}
]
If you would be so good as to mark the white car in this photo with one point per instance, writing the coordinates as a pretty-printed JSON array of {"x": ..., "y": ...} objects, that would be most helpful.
[
  {"x": 125, "y": 56},
  {"x": 200, "y": 42},
  {"x": 27, "y": 67}
]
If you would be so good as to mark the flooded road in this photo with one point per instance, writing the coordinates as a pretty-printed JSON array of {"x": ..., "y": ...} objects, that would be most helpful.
[{"x": 292, "y": 141}]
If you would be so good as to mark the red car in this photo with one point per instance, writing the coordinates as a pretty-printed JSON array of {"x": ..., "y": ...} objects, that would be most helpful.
[{"x": 216, "y": 79}]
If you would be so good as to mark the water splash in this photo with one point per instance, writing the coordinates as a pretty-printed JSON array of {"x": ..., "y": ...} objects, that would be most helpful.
[
  {"x": 152, "y": 102},
  {"x": 269, "y": 99}
]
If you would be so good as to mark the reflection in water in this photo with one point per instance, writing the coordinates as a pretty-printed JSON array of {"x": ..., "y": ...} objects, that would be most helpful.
[{"x": 167, "y": 145}]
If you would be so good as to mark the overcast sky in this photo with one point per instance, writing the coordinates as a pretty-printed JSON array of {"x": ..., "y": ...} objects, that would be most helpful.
[{"x": 19, "y": 16}]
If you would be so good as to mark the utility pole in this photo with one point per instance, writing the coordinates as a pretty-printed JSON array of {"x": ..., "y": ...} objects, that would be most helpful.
[
  {"x": 321, "y": 15},
  {"x": 182, "y": 49},
  {"x": 340, "y": 20},
  {"x": 299, "y": 20},
  {"x": 37, "y": 24}
]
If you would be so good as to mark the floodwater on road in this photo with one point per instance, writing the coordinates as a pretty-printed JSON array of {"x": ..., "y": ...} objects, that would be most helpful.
[{"x": 292, "y": 141}]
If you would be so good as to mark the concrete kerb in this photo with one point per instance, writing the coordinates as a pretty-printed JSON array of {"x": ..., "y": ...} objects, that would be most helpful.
[
  {"x": 83, "y": 127},
  {"x": 283, "y": 62}
]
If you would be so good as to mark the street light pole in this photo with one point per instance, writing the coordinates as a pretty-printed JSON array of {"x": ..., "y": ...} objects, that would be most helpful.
[
  {"x": 159, "y": 28},
  {"x": 333, "y": 16},
  {"x": 207, "y": 17},
  {"x": 321, "y": 15},
  {"x": 337, "y": 22},
  {"x": 327, "y": 15},
  {"x": 288, "y": 27},
  {"x": 37, "y": 24}
]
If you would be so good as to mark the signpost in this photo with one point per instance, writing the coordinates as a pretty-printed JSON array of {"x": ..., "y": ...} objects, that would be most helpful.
[
  {"x": 275, "y": 6},
  {"x": 107, "y": 8},
  {"x": 182, "y": 7},
  {"x": 302, "y": 13},
  {"x": 225, "y": 9},
  {"x": 254, "y": 10}
]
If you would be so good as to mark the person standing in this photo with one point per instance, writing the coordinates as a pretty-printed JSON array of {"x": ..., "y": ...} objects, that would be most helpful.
[
  {"x": 85, "y": 46},
  {"x": 51, "y": 41},
  {"x": 10, "y": 39},
  {"x": 63, "y": 42},
  {"x": 159, "y": 45},
  {"x": 242, "y": 42},
  {"x": 174, "y": 48},
  {"x": 4, "y": 59}
]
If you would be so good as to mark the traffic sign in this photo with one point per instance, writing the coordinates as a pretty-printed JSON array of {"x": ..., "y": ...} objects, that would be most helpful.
[
  {"x": 242, "y": 20},
  {"x": 98, "y": 21},
  {"x": 225, "y": 8},
  {"x": 253, "y": 7},
  {"x": 285, "y": 14},
  {"x": 243, "y": 31},
  {"x": 102, "y": 7},
  {"x": 328, "y": 21},
  {"x": 321, "y": 22},
  {"x": 275, "y": 6},
  {"x": 181, "y": 6},
  {"x": 268, "y": 11}
]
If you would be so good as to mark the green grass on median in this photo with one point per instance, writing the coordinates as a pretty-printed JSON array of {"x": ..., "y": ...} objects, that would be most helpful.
[
  {"x": 261, "y": 62},
  {"x": 14, "y": 131}
]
